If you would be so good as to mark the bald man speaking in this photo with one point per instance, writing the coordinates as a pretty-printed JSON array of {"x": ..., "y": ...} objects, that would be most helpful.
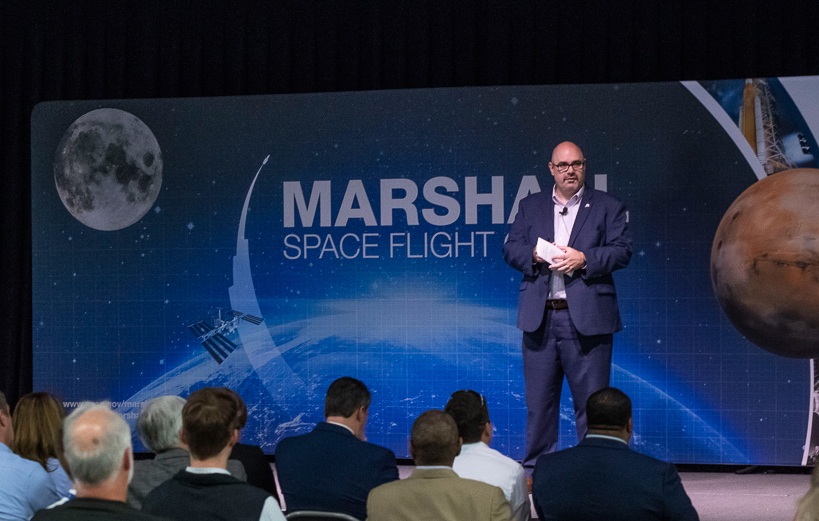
[{"x": 567, "y": 305}]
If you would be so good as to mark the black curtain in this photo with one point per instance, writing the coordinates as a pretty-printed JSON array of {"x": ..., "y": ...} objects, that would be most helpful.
[{"x": 95, "y": 49}]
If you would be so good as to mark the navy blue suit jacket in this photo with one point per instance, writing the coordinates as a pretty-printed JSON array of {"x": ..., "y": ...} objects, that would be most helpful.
[
  {"x": 600, "y": 231},
  {"x": 604, "y": 479},
  {"x": 330, "y": 469}
]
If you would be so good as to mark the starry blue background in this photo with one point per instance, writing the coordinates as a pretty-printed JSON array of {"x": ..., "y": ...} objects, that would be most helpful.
[{"x": 111, "y": 309}]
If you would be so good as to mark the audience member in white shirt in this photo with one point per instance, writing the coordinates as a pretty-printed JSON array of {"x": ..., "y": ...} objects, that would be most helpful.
[{"x": 479, "y": 462}]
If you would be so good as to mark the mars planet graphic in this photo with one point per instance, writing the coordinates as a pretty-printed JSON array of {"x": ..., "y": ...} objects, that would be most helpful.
[
  {"x": 108, "y": 169},
  {"x": 765, "y": 263}
]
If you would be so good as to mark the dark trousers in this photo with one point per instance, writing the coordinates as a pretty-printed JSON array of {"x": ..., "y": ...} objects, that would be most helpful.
[{"x": 551, "y": 352}]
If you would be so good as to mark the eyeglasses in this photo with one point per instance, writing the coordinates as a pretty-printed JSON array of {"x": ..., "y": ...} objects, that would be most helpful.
[{"x": 564, "y": 167}]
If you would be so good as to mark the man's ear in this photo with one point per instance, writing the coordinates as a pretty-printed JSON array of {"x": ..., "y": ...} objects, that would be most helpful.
[
  {"x": 126, "y": 460},
  {"x": 182, "y": 437},
  {"x": 486, "y": 436},
  {"x": 234, "y": 438}
]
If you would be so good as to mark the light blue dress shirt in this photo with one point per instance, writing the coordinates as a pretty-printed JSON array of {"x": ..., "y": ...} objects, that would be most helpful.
[
  {"x": 25, "y": 487},
  {"x": 60, "y": 482}
]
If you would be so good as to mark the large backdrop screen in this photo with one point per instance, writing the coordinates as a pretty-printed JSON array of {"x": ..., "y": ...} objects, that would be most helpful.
[{"x": 274, "y": 243}]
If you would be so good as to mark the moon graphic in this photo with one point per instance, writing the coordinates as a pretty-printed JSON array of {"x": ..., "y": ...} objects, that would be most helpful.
[
  {"x": 108, "y": 169},
  {"x": 765, "y": 263}
]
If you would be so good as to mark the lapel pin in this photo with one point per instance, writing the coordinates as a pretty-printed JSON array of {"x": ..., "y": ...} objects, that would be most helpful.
[{"x": 588, "y": 205}]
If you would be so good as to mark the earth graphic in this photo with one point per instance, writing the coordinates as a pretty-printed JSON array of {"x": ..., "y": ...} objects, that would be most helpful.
[{"x": 457, "y": 346}]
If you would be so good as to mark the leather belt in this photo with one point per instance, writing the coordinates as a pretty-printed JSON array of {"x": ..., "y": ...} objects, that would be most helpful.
[{"x": 557, "y": 304}]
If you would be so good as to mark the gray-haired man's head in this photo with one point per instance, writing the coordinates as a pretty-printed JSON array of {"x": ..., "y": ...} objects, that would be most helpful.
[
  {"x": 96, "y": 441},
  {"x": 159, "y": 423}
]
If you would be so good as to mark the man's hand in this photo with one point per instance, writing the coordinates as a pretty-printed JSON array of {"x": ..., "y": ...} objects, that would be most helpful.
[
  {"x": 535, "y": 258},
  {"x": 570, "y": 260}
]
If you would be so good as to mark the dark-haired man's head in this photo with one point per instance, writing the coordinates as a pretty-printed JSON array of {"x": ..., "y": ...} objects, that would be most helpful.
[
  {"x": 471, "y": 415},
  {"x": 348, "y": 403},
  {"x": 211, "y": 420},
  {"x": 608, "y": 412},
  {"x": 434, "y": 439}
]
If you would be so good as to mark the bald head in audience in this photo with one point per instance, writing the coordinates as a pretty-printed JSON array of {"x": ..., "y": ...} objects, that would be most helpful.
[{"x": 98, "y": 450}]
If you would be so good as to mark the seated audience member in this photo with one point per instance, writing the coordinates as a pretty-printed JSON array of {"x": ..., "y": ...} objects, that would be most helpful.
[
  {"x": 434, "y": 490},
  {"x": 477, "y": 461},
  {"x": 25, "y": 486},
  {"x": 159, "y": 424},
  {"x": 254, "y": 461},
  {"x": 64, "y": 464},
  {"x": 332, "y": 468},
  {"x": 98, "y": 450},
  {"x": 601, "y": 478},
  {"x": 38, "y": 423},
  {"x": 205, "y": 490}
]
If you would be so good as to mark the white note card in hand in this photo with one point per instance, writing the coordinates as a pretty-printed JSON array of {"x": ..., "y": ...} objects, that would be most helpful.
[{"x": 547, "y": 251}]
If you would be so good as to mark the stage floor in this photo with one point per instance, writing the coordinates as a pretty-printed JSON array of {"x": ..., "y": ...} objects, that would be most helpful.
[
  {"x": 755, "y": 497},
  {"x": 719, "y": 496}
]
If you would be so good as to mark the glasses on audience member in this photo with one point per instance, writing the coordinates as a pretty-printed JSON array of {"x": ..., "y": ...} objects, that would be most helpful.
[{"x": 564, "y": 167}]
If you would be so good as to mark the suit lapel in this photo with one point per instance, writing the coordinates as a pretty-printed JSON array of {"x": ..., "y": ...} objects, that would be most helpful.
[
  {"x": 549, "y": 220},
  {"x": 582, "y": 213},
  {"x": 546, "y": 220}
]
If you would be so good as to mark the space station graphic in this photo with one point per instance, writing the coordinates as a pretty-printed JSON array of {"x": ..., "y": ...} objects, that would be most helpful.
[
  {"x": 272, "y": 244},
  {"x": 212, "y": 337}
]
